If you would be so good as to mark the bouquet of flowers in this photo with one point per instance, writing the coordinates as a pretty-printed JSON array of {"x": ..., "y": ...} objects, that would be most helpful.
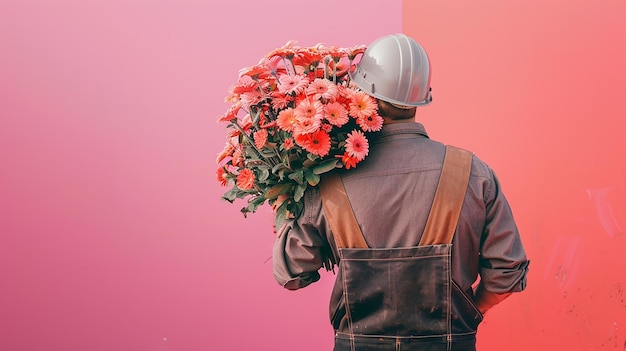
[{"x": 293, "y": 117}]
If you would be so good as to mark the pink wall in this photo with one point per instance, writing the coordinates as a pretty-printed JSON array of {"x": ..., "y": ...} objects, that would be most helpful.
[
  {"x": 112, "y": 233},
  {"x": 537, "y": 89}
]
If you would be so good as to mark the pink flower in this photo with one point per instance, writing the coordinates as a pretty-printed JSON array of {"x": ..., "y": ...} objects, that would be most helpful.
[
  {"x": 310, "y": 108},
  {"x": 322, "y": 89},
  {"x": 338, "y": 68},
  {"x": 371, "y": 123},
  {"x": 295, "y": 84},
  {"x": 357, "y": 145},
  {"x": 309, "y": 115},
  {"x": 280, "y": 101},
  {"x": 251, "y": 98},
  {"x": 288, "y": 143},
  {"x": 307, "y": 126}
]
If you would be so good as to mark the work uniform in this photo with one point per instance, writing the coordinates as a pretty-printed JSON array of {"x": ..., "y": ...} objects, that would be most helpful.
[{"x": 391, "y": 193}]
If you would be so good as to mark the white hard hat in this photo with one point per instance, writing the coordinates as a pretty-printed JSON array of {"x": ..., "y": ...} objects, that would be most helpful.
[{"x": 396, "y": 69}]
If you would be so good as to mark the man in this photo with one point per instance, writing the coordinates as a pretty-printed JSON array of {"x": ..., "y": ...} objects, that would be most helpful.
[{"x": 391, "y": 292}]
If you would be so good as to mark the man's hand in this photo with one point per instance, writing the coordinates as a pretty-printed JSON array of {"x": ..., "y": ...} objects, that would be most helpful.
[{"x": 486, "y": 299}]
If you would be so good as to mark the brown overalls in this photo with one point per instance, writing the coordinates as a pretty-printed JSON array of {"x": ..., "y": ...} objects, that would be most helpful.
[{"x": 402, "y": 298}]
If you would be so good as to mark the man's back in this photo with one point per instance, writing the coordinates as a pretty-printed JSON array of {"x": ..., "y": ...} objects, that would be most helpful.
[{"x": 392, "y": 190}]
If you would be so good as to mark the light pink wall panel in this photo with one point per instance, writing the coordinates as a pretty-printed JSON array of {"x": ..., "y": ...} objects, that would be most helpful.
[
  {"x": 112, "y": 233},
  {"x": 537, "y": 89}
]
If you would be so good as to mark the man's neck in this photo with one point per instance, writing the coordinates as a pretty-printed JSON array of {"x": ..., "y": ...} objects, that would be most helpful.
[{"x": 388, "y": 120}]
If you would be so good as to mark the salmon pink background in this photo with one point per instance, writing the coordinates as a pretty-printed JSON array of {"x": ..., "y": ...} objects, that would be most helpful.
[
  {"x": 112, "y": 233},
  {"x": 537, "y": 89}
]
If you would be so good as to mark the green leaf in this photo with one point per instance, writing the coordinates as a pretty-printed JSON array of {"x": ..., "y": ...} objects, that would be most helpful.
[
  {"x": 278, "y": 167},
  {"x": 232, "y": 194},
  {"x": 251, "y": 153},
  {"x": 325, "y": 166},
  {"x": 252, "y": 207},
  {"x": 297, "y": 176},
  {"x": 299, "y": 192},
  {"x": 312, "y": 178},
  {"x": 281, "y": 174},
  {"x": 264, "y": 173},
  {"x": 267, "y": 153}
]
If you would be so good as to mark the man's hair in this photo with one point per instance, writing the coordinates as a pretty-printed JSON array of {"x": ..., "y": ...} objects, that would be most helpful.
[{"x": 386, "y": 109}]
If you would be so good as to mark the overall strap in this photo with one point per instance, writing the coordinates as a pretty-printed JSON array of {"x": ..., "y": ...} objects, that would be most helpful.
[
  {"x": 444, "y": 213},
  {"x": 339, "y": 213},
  {"x": 446, "y": 207}
]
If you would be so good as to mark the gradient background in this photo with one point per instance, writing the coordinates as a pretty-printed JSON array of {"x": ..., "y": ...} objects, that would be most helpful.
[{"x": 112, "y": 233}]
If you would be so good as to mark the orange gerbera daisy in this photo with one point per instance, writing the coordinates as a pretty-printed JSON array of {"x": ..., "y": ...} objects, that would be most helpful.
[
  {"x": 246, "y": 123},
  {"x": 357, "y": 145},
  {"x": 228, "y": 151},
  {"x": 245, "y": 179},
  {"x": 255, "y": 71},
  {"x": 286, "y": 50},
  {"x": 260, "y": 138},
  {"x": 362, "y": 105},
  {"x": 348, "y": 161},
  {"x": 286, "y": 120},
  {"x": 222, "y": 176},
  {"x": 307, "y": 56},
  {"x": 336, "y": 114},
  {"x": 230, "y": 114},
  {"x": 244, "y": 84},
  {"x": 310, "y": 108},
  {"x": 354, "y": 51},
  {"x": 338, "y": 68},
  {"x": 237, "y": 159}
]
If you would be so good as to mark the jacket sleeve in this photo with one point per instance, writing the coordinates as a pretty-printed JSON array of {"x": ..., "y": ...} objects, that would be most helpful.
[
  {"x": 299, "y": 250},
  {"x": 503, "y": 260}
]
